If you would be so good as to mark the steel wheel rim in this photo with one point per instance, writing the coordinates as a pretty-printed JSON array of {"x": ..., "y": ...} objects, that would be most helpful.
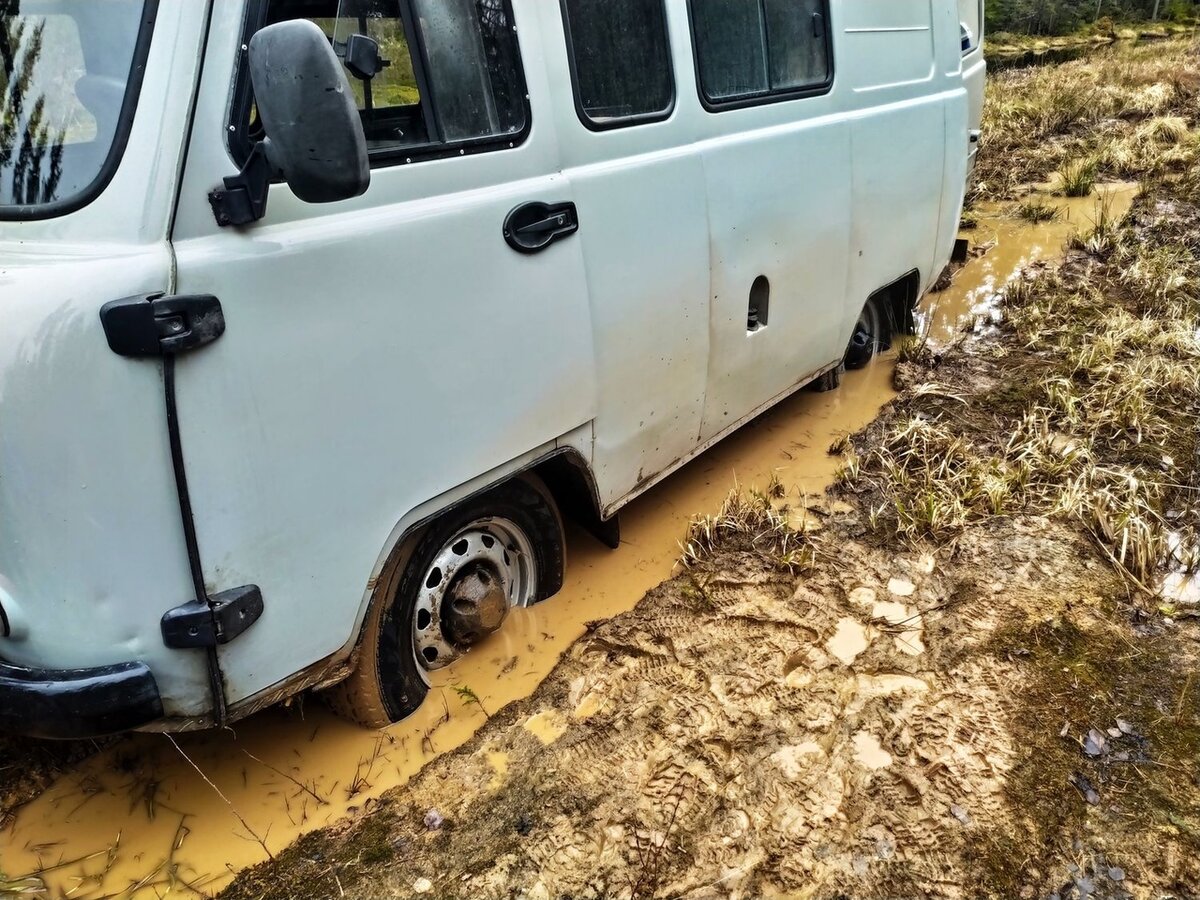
[{"x": 497, "y": 544}]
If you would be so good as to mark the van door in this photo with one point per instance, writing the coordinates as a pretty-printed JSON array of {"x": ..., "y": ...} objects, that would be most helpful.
[
  {"x": 383, "y": 350},
  {"x": 777, "y": 169},
  {"x": 639, "y": 183},
  {"x": 974, "y": 67}
]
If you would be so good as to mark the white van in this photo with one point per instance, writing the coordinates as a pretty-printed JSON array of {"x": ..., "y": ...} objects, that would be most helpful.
[{"x": 317, "y": 315}]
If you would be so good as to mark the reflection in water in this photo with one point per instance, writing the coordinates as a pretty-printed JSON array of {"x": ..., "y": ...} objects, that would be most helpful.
[
  {"x": 1014, "y": 244},
  {"x": 1181, "y": 586},
  {"x": 141, "y": 818}
]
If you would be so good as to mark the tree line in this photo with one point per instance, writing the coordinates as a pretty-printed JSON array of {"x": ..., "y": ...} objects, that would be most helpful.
[{"x": 1062, "y": 16}]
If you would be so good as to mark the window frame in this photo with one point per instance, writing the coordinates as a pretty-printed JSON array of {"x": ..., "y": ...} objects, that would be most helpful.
[
  {"x": 745, "y": 101},
  {"x": 240, "y": 143},
  {"x": 120, "y": 143},
  {"x": 626, "y": 121}
]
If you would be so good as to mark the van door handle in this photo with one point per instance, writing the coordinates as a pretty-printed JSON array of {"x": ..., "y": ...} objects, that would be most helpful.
[{"x": 532, "y": 227}]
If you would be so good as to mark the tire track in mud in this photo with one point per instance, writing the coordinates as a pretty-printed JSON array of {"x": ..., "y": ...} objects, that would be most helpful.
[
  {"x": 710, "y": 743},
  {"x": 142, "y": 791}
]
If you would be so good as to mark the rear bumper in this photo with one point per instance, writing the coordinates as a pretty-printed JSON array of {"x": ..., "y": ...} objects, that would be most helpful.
[{"x": 77, "y": 703}]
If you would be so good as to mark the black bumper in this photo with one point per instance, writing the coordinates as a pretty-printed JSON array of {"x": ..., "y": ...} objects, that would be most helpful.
[{"x": 77, "y": 703}]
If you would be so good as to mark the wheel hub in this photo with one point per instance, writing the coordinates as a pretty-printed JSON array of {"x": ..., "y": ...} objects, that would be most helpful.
[
  {"x": 481, "y": 572},
  {"x": 475, "y": 606}
]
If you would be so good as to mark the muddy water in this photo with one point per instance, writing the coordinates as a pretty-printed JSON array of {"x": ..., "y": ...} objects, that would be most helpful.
[
  {"x": 156, "y": 813},
  {"x": 1014, "y": 243}
]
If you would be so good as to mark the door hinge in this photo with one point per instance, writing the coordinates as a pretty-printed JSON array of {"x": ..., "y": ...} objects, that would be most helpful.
[
  {"x": 217, "y": 621},
  {"x": 159, "y": 325}
]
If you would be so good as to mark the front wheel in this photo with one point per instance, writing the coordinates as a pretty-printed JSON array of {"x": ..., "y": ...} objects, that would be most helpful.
[{"x": 462, "y": 576}]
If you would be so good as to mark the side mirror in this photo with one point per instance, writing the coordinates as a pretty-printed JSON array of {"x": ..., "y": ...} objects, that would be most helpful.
[{"x": 314, "y": 136}]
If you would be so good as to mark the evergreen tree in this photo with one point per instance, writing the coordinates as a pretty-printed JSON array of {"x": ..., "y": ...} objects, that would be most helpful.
[{"x": 1061, "y": 16}]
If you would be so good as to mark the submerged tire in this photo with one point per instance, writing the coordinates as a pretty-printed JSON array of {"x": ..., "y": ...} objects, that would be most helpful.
[
  {"x": 448, "y": 589},
  {"x": 873, "y": 333}
]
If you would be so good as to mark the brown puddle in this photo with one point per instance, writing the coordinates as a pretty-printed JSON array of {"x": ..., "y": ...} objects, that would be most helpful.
[
  {"x": 138, "y": 819},
  {"x": 1015, "y": 243}
]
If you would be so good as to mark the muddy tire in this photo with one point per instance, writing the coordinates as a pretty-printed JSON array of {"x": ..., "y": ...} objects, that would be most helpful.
[
  {"x": 873, "y": 333},
  {"x": 390, "y": 681}
]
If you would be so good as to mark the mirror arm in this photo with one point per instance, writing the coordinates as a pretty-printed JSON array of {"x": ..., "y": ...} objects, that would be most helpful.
[{"x": 243, "y": 199}]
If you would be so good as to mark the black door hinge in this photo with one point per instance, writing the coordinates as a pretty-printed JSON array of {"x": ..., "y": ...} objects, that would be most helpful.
[
  {"x": 217, "y": 621},
  {"x": 158, "y": 325}
]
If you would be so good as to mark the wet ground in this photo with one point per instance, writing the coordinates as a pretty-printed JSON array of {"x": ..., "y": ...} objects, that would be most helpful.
[
  {"x": 153, "y": 812},
  {"x": 992, "y": 707}
]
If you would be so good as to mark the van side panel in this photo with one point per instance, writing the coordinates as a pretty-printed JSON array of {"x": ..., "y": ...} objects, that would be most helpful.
[
  {"x": 963, "y": 109},
  {"x": 92, "y": 551},
  {"x": 779, "y": 208},
  {"x": 646, "y": 255},
  {"x": 644, "y": 234},
  {"x": 974, "y": 70},
  {"x": 899, "y": 138}
]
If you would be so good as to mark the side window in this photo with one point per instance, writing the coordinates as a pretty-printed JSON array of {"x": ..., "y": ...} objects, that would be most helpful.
[
  {"x": 620, "y": 61},
  {"x": 970, "y": 24},
  {"x": 761, "y": 50},
  {"x": 430, "y": 76}
]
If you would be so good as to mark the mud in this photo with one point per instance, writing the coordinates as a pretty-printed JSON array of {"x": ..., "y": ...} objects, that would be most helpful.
[
  {"x": 1003, "y": 714},
  {"x": 709, "y": 745},
  {"x": 1003, "y": 244},
  {"x": 140, "y": 814}
]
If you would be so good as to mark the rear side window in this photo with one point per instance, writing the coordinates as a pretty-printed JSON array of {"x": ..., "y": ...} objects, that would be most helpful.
[
  {"x": 970, "y": 17},
  {"x": 760, "y": 50},
  {"x": 620, "y": 61},
  {"x": 431, "y": 77}
]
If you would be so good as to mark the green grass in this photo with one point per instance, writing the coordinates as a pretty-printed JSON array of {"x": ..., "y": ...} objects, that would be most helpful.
[
  {"x": 1077, "y": 178},
  {"x": 1037, "y": 211}
]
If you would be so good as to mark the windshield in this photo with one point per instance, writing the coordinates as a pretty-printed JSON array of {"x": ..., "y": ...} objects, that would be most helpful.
[{"x": 69, "y": 75}]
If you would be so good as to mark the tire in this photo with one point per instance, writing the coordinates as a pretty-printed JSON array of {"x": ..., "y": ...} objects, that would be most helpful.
[
  {"x": 389, "y": 682},
  {"x": 873, "y": 334}
]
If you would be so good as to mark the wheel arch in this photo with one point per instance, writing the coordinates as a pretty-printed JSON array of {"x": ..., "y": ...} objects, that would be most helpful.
[
  {"x": 566, "y": 474},
  {"x": 899, "y": 300}
]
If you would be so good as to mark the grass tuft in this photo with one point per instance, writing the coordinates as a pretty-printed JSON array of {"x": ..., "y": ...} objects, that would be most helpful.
[
  {"x": 1077, "y": 178},
  {"x": 1105, "y": 434},
  {"x": 756, "y": 521},
  {"x": 1036, "y": 211}
]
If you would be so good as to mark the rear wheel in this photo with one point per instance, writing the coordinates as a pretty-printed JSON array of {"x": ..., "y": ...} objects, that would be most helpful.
[
  {"x": 452, "y": 590},
  {"x": 873, "y": 333}
]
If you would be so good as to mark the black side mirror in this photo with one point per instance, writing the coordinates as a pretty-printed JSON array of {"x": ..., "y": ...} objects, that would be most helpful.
[{"x": 314, "y": 136}]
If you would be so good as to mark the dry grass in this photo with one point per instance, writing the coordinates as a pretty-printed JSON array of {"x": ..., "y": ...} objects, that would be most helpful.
[
  {"x": 758, "y": 521},
  {"x": 1104, "y": 435},
  {"x": 1117, "y": 114}
]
